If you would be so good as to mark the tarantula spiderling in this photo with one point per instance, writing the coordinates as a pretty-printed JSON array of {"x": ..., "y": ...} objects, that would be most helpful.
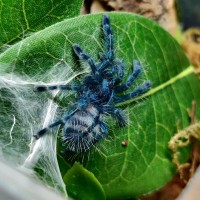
[{"x": 97, "y": 96}]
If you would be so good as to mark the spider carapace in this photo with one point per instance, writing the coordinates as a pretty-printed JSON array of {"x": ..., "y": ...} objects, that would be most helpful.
[{"x": 97, "y": 96}]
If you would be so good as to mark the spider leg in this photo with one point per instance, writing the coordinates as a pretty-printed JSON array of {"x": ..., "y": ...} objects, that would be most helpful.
[
  {"x": 104, "y": 131},
  {"x": 105, "y": 87},
  {"x": 108, "y": 38},
  {"x": 103, "y": 127},
  {"x": 54, "y": 124},
  {"x": 137, "y": 69},
  {"x": 119, "y": 69},
  {"x": 44, "y": 88},
  {"x": 138, "y": 91},
  {"x": 102, "y": 65},
  {"x": 107, "y": 57},
  {"x": 102, "y": 56},
  {"x": 45, "y": 130},
  {"x": 84, "y": 56},
  {"x": 117, "y": 113}
]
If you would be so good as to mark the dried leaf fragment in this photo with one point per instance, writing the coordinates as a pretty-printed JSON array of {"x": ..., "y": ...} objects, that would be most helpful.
[
  {"x": 182, "y": 139},
  {"x": 191, "y": 45}
]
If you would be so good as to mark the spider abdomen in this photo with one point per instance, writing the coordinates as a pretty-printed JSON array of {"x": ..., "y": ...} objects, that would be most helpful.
[{"x": 84, "y": 129}]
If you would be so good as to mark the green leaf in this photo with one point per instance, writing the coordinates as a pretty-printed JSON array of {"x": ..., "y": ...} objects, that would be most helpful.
[
  {"x": 63, "y": 165},
  {"x": 82, "y": 184},
  {"x": 19, "y": 17},
  {"x": 144, "y": 165}
]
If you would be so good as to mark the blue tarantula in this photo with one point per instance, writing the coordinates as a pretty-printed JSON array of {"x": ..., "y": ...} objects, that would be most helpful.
[{"x": 96, "y": 96}]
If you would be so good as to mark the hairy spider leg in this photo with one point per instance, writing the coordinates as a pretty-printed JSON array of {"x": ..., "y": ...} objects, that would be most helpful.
[
  {"x": 105, "y": 87},
  {"x": 84, "y": 56},
  {"x": 44, "y": 88},
  {"x": 108, "y": 38},
  {"x": 137, "y": 69},
  {"x": 102, "y": 56},
  {"x": 46, "y": 129},
  {"x": 54, "y": 124},
  {"x": 117, "y": 113},
  {"x": 107, "y": 57},
  {"x": 138, "y": 91},
  {"x": 104, "y": 131},
  {"x": 119, "y": 69},
  {"x": 103, "y": 64}
]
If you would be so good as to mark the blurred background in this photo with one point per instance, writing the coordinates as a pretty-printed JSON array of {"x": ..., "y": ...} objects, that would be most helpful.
[{"x": 189, "y": 13}]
